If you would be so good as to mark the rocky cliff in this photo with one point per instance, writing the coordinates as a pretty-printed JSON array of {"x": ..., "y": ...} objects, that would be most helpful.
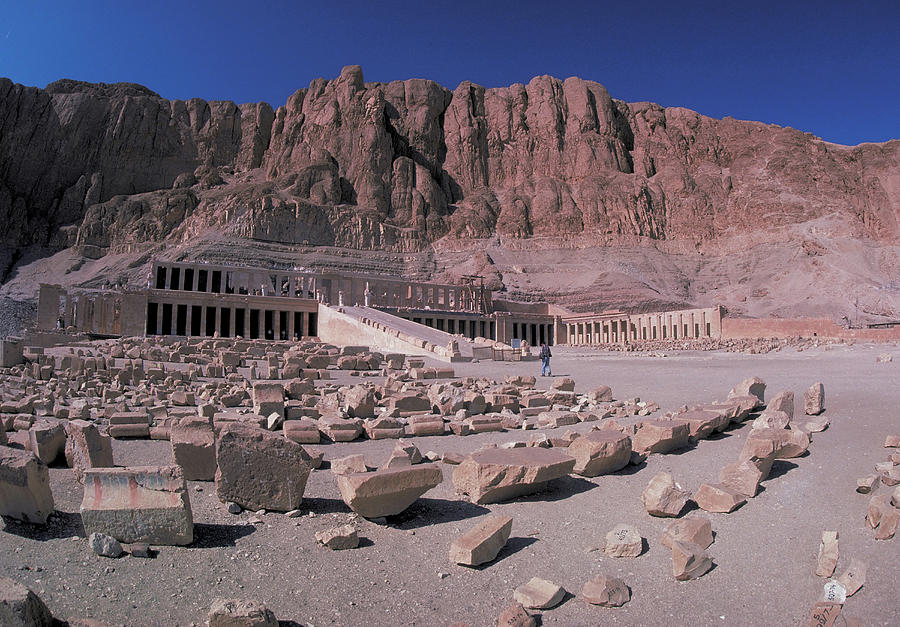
[{"x": 415, "y": 169}]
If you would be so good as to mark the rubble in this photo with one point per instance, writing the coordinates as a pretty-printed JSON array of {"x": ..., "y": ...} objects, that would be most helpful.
[
  {"x": 105, "y": 546},
  {"x": 482, "y": 543}
]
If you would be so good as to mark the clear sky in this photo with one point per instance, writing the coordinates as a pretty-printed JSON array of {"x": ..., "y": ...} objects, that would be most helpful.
[{"x": 830, "y": 68}]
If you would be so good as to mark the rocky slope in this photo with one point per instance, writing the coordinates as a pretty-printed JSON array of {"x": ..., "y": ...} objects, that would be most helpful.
[{"x": 552, "y": 189}]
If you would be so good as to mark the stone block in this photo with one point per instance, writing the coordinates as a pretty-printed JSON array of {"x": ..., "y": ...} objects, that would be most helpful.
[
  {"x": 691, "y": 529},
  {"x": 339, "y": 429},
  {"x": 752, "y": 386},
  {"x": 20, "y": 607},
  {"x": 194, "y": 448},
  {"x": 494, "y": 475},
  {"x": 339, "y": 538},
  {"x": 86, "y": 448},
  {"x": 742, "y": 477},
  {"x": 660, "y": 436},
  {"x": 689, "y": 561},
  {"x": 888, "y": 526},
  {"x": 516, "y": 616},
  {"x": 623, "y": 541},
  {"x": 539, "y": 594},
  {"x": 268, "y": 397},
  {"x": 24, "y": 486},
  {"x": 703, "y": 422},
  {"x": 349, "y": 465},
  {"x": 606, "y": 591},
  {"x": 663, "y": 497},
  {"x": 828, "y": 554},
  {"x": 47, "y": 440},
  {"x": 482, "y": 543},
  {"x": 814, "y": 399},
  {"x": 387, "y": 492},
  {"x": 600, "y": 452},
  {"x": 240, "y": 613},
  {"x": 303, "y": 431},
  {"x": 258, "y": 469},
  {"x": 129, "y": 431},
  {"x": 717, "y": 498},
  {"x": 138, "y": 504}
]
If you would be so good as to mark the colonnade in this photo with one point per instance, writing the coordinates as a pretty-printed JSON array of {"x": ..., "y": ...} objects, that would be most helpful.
[{"x": 613, "y": 328}]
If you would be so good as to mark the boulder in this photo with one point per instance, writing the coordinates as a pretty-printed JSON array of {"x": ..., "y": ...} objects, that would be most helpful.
[
  {"x": 86, "y": 448},
  {"x": 691, "y": 529},
  {"x": 663, "y": 497},
  {"x": 814, "y": 399},
  {"x": 482, "y": 543},
  {"x": 105, "y": 546},
  {"x": 20, "y": 607},
  {"x": 387, "y": 492},
  {"x": 606, "y": 591},
  {"x": 660, "y": 436},
  {"x": 138, "y": 504},
  {"x": 623, "y": 541},
  {"x": 239, "y": 613},
  {"x": 600, "y": 452},
  {"x": 539, "y": 594},
  {"x": 715, "y": 497},
  {"x": 258, "y": 469},
  {"x": 339, "y": 538},
  {"x": 494, "y": 475},
  {"x": 689, "y": 561},
  {"x": 194, "y": 448},
  {"x": 828, "y": 554},
  {"x": 24, "y": 486}
]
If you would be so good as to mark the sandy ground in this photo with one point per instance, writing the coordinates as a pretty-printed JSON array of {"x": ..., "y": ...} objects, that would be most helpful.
[{"x": 764, "y": 553}]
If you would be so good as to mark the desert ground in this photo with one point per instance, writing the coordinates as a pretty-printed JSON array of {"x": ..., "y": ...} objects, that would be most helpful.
[{"x": 764, "y": 552}]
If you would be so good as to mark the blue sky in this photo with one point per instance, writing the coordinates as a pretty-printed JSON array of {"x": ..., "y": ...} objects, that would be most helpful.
[{"x": 829, "y": 68}]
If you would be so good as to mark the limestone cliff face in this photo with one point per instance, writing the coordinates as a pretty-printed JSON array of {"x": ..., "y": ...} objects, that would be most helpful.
[{"x": 404, "y": 165}]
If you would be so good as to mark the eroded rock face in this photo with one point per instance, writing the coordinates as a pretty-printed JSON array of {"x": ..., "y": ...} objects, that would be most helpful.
[
  {"x": 494, "y": 475},
  {"x": 399, "y": 165}
]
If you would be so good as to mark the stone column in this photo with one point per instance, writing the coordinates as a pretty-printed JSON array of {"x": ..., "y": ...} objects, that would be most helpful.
[
  {"x": 202, "y": 320},
  {"x": 304, "y": 324}
]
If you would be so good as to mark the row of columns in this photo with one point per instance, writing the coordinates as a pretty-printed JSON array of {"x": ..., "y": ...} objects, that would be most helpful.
[
  {"x": 690, "y": 324},
  {"x": 534, "y": 333},
  {"x": 209, "y": 320}
]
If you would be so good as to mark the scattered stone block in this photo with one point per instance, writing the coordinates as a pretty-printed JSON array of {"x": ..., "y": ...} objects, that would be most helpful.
[
  {"x": 691, "y": 529},
  {"x": 129, "y": 431},
  {"x": 895, "y": 497},
  {"x": 814, "y": 399},
  {"x": 606, "y": 591},
  {"x": 892, "y": 441},
  {"x": 482, "y": 543},
  {"x": 753, "y": 386},
  {"x": 387, "y": 492},
  {"x": 623, "y": 541},
  {"x": 866, "y": 484},
  {"x": 339, "y": 429},
  {"x": 428, "y": 424},
  {"x": 743, "y": 477},
  {"x": 516, "y": 616},
  {"x": 890, "y": 519},
  {"x": 47, "y": 439},
  {"x": 138, "y": 504},
  {"x": 771, "y": 419},
  {"x": 24, "y": 486},
  {"x": 238, "y": 613},
  {"x": 194, "y": 448},
  {"x": 268, "y": 397},
  {"x": 600, "y": 452},
  {"x": 600, "y": 394},
  {"x": 339, "y": 538},
  {"x": 824, "y": 614},
  {"x": 105, "y": 546},
  {"x": 494, "y": 475},
  {"x": 359, "y": 401},
  {"x": 783, "y": 401},
  {"x": 661, "y": 436},
  {"x": 689, "y": 561},
  {"x": 878, "y": 505},
  {"x": 663, "y": 497},
  {"x": 717, "y": 498},
  {"x": 20, "y": 607},
  {"x": 828, "y": 554},
  {"x": 854, "y": 577},
  {"x": 819, "y": 424},
  {"x": 563, "y": 384},
  {"x": 539, "y": 594},
  {"x": 258, "y": 469},
  {"x": 303, "y": 431},
  {"x": 404, "y": 454},
  {"x": 891, "y": 477},
  {"x": 349, "y": 465},
  {"x": 86, "y": 448}
]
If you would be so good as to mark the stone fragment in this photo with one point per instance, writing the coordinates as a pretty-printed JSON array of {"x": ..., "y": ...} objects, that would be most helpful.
[
  {"x": 141, "y": 550},
  {"x": 824, "y": 614},
  {"x": 600, "y": 452},
  {"x": 771, "y": 419},
  {"x": 404, "y": 454},
  {"x": 239, "y": 613},
  {"x": 516, "y": 616},
  {"x": 866, "y": 484},
  {"x": 878, "y": 505},
  {"x": 138, "y": 504},
  {"x": 428, "y": 424},
  {"x": 828, "y": 554},
  {"x": 753, "y": 386},
  {"x": 303, "y": 431},
  {"x": 86, "y": 448},
  {"x": 892, "y": 441},
  {"x": 891, "y": 477},
  {"x": 387, "y": 492},
  {"x": 24, "y": 486},
  {"x": 606, "y": 591},
  {"x": 817, "y": 425},
  {"x": 895, "y": 497},
  {"x": 47, "y": 439},
  {"x": 349, "y": 465},
  {"x": 482, "y": 543},
  {"x": 814, "y": 399},
  {"x": 104, "y": 545},
  {"x": 854, "y": 577},
  {"x": 258, "y": 469},
  {"x": 743, "y": 477},
  {"x": 703, "y": 422},
  {"x": 623, "y": 541},
  {"x": 539, "y": 594},
  {"x": 888, "y": 525},
  {"x": 20, "y": 607},
  {"x": 194, "y": 448},
  {"x": 563, "y": 384},
  {"x": 359, "y": 401},
  {"x": 717, "y": 498},
  {"x": 775, "y": 443},
  {"x": 691, "y": 529},
  {"x": 661, "y": 436},
  {"x": 663, "y": 497},
  {"x": 784, "y": 402},
  {"x": 339, "y": 538},
  {"x": 494, "y": 475},
  {"x": 689, "y": 561},
  {"x": 339, "y": 429},
  {"x": 600, "y": 394},
  {"x": 268, "y": 397}
]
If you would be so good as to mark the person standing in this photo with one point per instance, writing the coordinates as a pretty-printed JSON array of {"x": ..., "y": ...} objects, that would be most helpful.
[{"x": 545, "y": 360}]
